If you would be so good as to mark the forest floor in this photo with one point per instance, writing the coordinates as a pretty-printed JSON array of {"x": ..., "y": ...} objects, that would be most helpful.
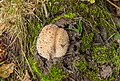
[{"x": 93, "y": 29}]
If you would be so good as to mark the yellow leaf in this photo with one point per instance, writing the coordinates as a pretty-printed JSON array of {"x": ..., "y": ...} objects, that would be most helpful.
[
  {"x": 6, "y": 70},
  {"x": 92, "y": 1}
]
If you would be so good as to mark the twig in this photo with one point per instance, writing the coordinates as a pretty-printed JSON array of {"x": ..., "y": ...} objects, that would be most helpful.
[
  {"x": 45, "y": 9},
  {"x": 27, "y": 61},
  {"x": 113, "y": 4},
  {"x": 26, "y": 58},
  {"x": 16, "y": 72}
]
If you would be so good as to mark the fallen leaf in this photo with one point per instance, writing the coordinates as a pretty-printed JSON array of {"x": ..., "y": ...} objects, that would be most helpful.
[
  {"x": 2, "y": 27},
  {"x": 26, "y": 77},
  {"x": 6, "y": 70},
  {"x": 118, "y": 41},
  {"x": 117, "y": 3},
  {"x": 118, "y": 12},
  {"x": 92, "y": 1},
  {"x": 52, "y": 42}
]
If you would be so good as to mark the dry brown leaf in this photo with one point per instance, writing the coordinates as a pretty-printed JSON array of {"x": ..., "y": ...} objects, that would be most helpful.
[
  {"x": 117, "y": 3},
  {"x": 118, "y": 41},
  {"x": 26, "y": 77},
  {"x": 2, "y": 26},
  {"x": 6, "y": 70},
  {"x": 52, "y": 42},
  {"x": 118, "y": 12}
]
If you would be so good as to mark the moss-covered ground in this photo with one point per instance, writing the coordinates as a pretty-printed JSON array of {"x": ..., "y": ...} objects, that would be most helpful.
[{"x": 93, "y": 29}]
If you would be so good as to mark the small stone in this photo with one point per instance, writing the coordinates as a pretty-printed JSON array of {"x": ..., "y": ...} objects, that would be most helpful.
[{"x": 106, "y": 71}]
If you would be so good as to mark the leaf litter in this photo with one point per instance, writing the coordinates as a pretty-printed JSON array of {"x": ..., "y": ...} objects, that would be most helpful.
[{"x": 6, "y": 70}]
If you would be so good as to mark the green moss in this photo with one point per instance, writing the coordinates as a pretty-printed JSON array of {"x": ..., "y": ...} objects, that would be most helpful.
[
  {"x": 55, "y": 7},
  {"x": 102, "y": 55},
  {"x": 33, "y": 30},
  {"x": 68, "y": 16},
  {"x": 97, "y": 16},
  {"x": 111, "y": 56},
  {"x": 55, "y": 74},
  {"x": 84, "y": 8},
  {"x": 86, "y": 41},
  {"x": 92, "y": 75},
  {"x": 86, "y": 70}
]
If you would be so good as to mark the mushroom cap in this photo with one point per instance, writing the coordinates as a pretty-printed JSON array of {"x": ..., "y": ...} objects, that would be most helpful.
[{"x": 52, "y": 42}]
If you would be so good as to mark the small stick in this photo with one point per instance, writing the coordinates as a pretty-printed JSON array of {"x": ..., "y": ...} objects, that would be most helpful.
[
  {"x": 45, "y": 9},
  {"x": 113, "y": 4}
]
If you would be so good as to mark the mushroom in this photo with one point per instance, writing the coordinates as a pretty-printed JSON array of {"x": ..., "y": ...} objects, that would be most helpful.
[{"x": 52, "y": 42}]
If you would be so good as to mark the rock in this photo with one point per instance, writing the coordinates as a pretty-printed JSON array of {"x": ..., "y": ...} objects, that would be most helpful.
[{"x": 106, "y": 71}]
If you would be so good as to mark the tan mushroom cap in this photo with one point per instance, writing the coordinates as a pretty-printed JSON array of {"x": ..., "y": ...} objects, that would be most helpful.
[{"x": 52, "y": 42}]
